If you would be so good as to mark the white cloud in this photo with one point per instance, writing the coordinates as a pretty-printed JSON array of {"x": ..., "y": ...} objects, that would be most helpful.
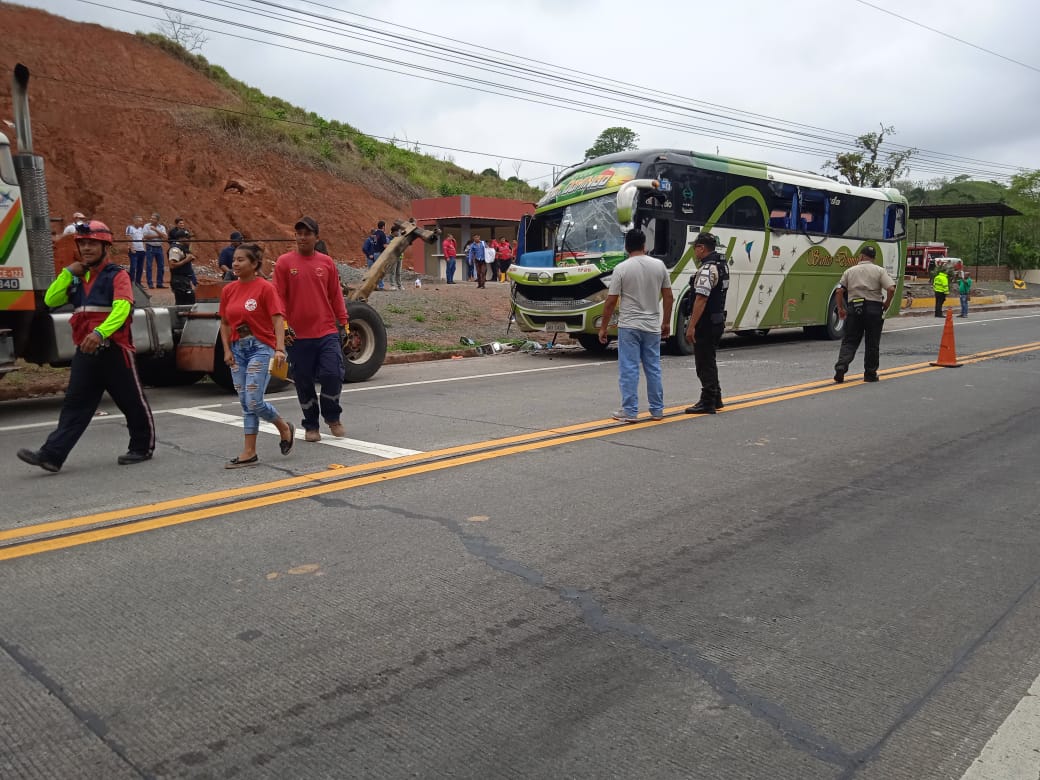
[{"x": 834, "y": 64}]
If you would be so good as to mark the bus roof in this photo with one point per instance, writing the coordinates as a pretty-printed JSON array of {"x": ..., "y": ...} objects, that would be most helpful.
[{"x": 750, "y": 168}]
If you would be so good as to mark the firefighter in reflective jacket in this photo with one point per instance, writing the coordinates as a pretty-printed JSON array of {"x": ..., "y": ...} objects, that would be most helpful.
[
  {"x": 101, "y": 295},
  {"x": 707, "y": 321}
]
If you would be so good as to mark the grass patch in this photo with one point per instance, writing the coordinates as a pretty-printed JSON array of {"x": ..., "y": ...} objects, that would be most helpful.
[
  {"x": 419, "y": 317},
  {"x": 392, "y": 309},
  {"x": 418, "y": 346}
]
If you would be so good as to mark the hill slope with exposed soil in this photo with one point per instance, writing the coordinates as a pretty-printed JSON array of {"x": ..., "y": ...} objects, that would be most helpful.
[{"x": 131, "y": 124}]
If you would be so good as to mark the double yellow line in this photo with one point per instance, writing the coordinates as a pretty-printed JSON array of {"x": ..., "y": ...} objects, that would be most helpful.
[{"x": 86, "y": 529}]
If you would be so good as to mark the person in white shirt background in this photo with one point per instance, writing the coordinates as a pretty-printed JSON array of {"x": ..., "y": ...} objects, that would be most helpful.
[
  {"x": 135, "y": 233},
  {"x": 154, "y": 236}
]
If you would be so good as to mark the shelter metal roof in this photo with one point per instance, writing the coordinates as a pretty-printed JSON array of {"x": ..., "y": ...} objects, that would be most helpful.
[{"x": 963, "y": 210}]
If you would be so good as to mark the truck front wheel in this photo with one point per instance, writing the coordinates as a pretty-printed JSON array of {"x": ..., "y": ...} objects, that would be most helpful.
[
  {"x": 365, "y": 350},
  {"x": 221, "y": 374},
  {"x": 163, "y": 372}
]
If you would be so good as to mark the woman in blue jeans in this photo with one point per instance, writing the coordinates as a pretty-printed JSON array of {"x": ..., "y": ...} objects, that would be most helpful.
[{"x": 252, "y": 330}]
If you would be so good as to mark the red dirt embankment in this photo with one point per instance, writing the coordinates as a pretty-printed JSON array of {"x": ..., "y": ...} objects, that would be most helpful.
[{"x": 112, "y": 154}]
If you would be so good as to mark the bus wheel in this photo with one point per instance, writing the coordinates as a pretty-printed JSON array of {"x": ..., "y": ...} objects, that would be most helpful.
[
  {"x": 590, "y": 343},
  {"x": 835, "y": 327},
  {"x": 678, "y": 342},
  {"x": 365, "y": 350}
]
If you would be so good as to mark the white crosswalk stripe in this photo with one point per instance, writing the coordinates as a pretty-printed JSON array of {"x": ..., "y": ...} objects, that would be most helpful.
[{"x": 367, "y": 447}]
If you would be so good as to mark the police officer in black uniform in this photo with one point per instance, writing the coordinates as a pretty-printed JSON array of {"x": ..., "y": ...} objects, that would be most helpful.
[{"x": 707, "y": 321}]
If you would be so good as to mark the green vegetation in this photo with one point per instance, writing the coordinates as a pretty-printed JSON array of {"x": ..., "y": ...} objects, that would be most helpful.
[
  {"x": 612, "y": 140},
  {"x": 260, "y": 121},
  {"x": 966, "y": 236},
  {"x": 867, "y": 165},
  {"x": 419, "y": 317},
  {"x": 418, "y": 346}
]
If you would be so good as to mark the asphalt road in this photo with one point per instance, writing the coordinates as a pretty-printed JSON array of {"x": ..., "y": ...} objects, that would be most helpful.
[{"x": 493, "y": 579}]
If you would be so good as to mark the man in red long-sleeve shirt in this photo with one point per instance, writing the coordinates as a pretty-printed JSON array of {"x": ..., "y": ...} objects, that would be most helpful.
[{"x": 309, "y": 286}]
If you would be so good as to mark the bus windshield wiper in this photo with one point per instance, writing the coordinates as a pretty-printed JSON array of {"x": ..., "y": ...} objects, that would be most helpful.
[{"x": 563, "y": 240}]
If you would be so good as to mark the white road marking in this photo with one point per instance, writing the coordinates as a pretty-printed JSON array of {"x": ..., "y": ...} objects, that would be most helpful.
[
  {"x": 1013, "y": 753},
  {"x": 118, "y": 417},
  {"x": 367, "y": 447},
  {"x": 970, "y": 321},
  {"x": 367, "y": 387}
]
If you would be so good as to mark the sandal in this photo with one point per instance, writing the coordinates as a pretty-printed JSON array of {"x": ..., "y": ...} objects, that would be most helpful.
[
  {"x": 285, "y": 445},
  {"x": 235, "y": 463}
]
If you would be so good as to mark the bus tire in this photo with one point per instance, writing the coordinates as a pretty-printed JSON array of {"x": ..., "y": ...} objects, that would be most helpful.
[
  {"x": 835, "y": 327},
  {"x": 678, "y": 343},
  {"x": 591, "y": 343},
  {"x": 365, "y": 350}
]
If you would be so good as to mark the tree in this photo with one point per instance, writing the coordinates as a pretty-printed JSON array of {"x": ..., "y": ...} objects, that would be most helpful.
[
  {"x": 180, "y": 31},
  {"x": 862, "y": 168},
  {"x": 611, "y": 140}
]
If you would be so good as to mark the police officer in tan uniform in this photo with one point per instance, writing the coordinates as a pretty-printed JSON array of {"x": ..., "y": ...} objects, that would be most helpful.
[{"x": 864, "y": 295}]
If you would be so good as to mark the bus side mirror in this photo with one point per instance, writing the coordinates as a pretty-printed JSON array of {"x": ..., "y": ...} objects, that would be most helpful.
[{"x": 626, "y": 199}]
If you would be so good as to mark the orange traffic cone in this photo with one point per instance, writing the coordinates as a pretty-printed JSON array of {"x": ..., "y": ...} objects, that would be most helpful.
[{"x": 947, "y": 347}]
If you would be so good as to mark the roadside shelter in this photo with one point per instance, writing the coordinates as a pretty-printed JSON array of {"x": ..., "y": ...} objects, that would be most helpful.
[{"x": 463, "y": 216}]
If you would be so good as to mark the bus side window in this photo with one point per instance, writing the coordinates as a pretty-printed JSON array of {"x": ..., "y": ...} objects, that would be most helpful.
[
  {"x": 895, "y": 222},
  {"x": 782, "y": 200},
  {"x": 814, "y": 211}
]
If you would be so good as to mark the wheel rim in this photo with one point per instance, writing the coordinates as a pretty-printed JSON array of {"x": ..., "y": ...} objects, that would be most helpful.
[
  {"x": 837, "y": 324},
  {"x": 362, "y": 343}
]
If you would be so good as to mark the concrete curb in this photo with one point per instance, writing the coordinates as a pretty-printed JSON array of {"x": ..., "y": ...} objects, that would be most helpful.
[
  {"x": 394, "y": 358},
  {"x": 1024, "y": 303}
]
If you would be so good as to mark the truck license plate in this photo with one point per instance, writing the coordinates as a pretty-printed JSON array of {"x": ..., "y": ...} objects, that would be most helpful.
[{"x": 555, "y": 327}]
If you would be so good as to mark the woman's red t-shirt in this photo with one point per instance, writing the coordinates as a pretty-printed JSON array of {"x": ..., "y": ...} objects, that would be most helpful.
[{"x": 253, "y": 303}]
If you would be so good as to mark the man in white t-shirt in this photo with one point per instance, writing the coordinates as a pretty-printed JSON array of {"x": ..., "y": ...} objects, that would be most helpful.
[
  {"x": 490, "y": 272},
  {"x": 154, "y": 236},
  {"x": 638, "y": 283},
  {"x": 135, "y": 233},
  {"x": 79, "y": 218}
]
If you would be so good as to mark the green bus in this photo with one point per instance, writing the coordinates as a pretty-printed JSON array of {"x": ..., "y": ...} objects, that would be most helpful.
[{"x": 787, "y": 235}]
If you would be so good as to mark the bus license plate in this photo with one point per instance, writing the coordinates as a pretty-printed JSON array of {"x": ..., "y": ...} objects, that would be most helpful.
[{"x": 555, "y": 327}]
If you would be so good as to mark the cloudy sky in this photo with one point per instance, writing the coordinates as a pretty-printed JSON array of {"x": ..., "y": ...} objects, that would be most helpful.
[{"x": 530, "y": 84}]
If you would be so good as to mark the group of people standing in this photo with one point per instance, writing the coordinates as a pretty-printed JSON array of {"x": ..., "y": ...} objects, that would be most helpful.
[
  {"x": 485, "y": 260},
  {"x": 148, "y": 262},
  {"x": 640, "y": 290},
  {"x": 306, "y": 292},
  {"x": 941, "y": 288},
  {"x": 637, "y": 286}
]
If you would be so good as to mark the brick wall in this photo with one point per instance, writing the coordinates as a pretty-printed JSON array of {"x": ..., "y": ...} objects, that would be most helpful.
[{"x": 989, "y": 273}]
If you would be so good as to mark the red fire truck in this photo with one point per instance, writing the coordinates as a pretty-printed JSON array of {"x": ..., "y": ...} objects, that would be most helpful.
[{"x": 921, "y": 258}]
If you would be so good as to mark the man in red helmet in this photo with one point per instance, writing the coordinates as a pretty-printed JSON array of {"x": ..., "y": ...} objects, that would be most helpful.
[{"x": 102, "y": 296}]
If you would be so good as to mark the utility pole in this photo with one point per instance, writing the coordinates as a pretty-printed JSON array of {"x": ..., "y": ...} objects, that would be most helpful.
[{"x": 978, "y": 248}]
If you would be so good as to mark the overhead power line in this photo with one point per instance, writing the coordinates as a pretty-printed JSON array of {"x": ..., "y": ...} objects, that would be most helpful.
[
  {"x": 756, "y": 133},
  {"x": 937, "y": 31}
]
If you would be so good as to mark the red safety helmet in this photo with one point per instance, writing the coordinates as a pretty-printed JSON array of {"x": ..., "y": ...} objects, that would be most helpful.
[{"x": 94, "y": 230}]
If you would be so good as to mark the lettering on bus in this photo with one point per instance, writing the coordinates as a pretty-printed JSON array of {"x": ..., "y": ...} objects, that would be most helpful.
[
  {"x": 818, "y": 257},
  {"x": 11, "y": 273}
]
